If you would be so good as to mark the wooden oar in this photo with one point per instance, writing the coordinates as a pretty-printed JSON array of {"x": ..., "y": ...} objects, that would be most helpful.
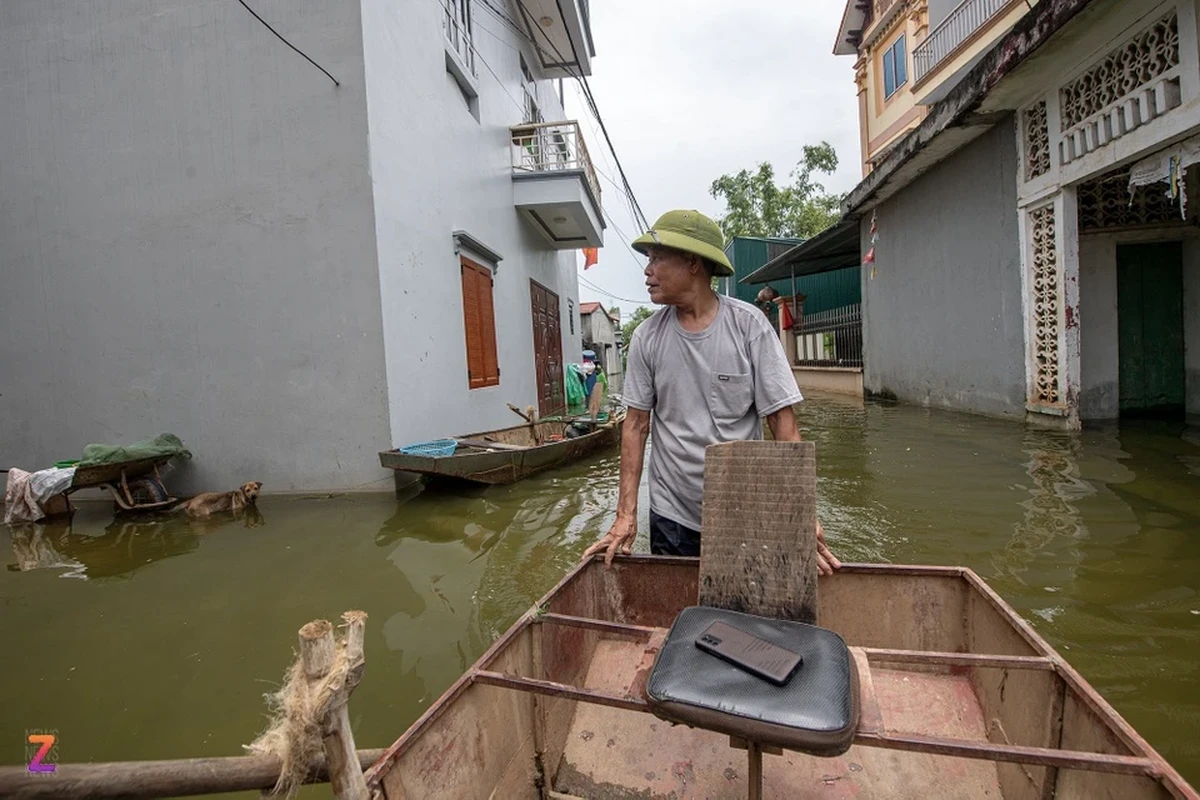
[
  {"x": 490, "y": 445},
  {"x": 520, "y": 413},
  {"x": 530, "y": 416}
]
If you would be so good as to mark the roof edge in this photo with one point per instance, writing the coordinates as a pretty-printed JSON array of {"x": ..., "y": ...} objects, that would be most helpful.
[
  {"x": 1030, "y": 32},
  {"x": 841, "y": 227},
  {"x": 852, "y": 15}
]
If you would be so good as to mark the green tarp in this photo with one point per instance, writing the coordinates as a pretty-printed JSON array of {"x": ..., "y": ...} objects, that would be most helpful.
[
  {"x": 576, "y": 399},
  {"x": 165, "y": 444}
]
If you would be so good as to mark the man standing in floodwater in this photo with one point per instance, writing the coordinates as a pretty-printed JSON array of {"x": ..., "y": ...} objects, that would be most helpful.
[{"x": 703, "y": 369}]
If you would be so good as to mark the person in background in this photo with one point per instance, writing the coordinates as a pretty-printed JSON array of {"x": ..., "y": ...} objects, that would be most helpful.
[{"x": 705, "y": 368}]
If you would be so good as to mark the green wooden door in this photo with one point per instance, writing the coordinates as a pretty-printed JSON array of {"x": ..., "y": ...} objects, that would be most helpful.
[{"x": 1150, "y": 327}]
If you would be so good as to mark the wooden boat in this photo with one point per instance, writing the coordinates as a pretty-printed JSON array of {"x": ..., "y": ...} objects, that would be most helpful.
[
  {"x": 959, "y": 697},
  {"x": 518, "y": 452}
]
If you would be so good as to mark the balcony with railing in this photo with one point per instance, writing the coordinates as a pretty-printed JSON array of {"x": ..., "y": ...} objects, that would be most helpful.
[
  {"x": 952, "y": 32},
  {"x": 555, "y": 185}
]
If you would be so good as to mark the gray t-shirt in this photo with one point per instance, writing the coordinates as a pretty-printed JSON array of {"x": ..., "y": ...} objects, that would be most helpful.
[{"x": 703, "y": 388}]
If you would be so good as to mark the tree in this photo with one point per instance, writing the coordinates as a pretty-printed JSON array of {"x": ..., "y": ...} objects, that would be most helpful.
[
  {"x": 756, "y": 206},
  {"x": 639, "y": 315}
]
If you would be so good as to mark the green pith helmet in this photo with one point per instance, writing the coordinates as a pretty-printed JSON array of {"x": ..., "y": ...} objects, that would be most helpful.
[{"x": 691, "y": 232}]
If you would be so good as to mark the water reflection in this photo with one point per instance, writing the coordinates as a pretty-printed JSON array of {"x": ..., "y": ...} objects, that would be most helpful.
[
  {"x": 469, "y": 561},
  {"x": 1094, "y": 538},
  {"x": 1051, "y": 520},
  {"x": 121, "y": 548},
  {"x": 33, "y": 546}
]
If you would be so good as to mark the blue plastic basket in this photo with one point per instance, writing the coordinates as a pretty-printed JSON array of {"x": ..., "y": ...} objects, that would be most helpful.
[{"x": 435, "y": 449}]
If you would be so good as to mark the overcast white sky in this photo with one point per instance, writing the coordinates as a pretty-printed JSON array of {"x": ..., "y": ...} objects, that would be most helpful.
[{"x": 692, "y": 89}]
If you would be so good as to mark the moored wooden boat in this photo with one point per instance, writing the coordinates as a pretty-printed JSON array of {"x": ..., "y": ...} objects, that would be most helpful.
[
  {"x": 521, "y": 451},
  {"x": 959, "y": 697}
]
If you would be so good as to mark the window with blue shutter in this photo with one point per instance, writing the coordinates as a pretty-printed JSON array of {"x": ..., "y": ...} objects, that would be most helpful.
[{"x": 895, "y": 67}]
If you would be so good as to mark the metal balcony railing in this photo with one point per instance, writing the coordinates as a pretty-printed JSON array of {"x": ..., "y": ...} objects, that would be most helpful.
[
  {"x": 968, "y": 17},
  {"x": 544, "y": 147},
  {"x": 830, "y": 338},
  {"x": 456, "y": 25}
]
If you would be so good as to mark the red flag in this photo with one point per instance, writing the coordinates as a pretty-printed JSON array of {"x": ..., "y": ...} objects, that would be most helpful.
[
  {"x": 785, "y": 314},
  {"x": 591, "y": 255}
]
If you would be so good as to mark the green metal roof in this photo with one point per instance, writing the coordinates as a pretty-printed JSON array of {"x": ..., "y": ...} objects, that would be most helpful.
[{"x": 749, "y": 254}]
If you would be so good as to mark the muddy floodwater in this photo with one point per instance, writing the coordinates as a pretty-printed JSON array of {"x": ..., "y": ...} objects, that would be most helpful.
[{"x": 158, "y": 640}]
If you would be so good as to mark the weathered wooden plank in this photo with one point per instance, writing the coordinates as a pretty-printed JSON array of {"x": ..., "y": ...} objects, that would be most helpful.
[
  {"x": 934, "y": 658},
  {"x": 553, "y": 689},
  {"x": 484, "y": 444},
  {"x": 759, "y": 545},
  {"x": 870, "y": 715},
  {"x": 161, "y": 778},
  {"x": 618, "y": 628}
]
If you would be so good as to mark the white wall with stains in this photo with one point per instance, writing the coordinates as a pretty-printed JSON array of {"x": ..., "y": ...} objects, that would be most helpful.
[
  {"x": 438, "y": 168},
  {"x": 187, "y": 239},
  {"x": 200, "y": 233}
]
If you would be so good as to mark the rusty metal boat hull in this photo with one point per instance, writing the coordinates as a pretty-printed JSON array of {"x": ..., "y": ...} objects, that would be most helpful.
[
  {"x": 490, "y": 467},
  {"x": 959, "y": 697}
]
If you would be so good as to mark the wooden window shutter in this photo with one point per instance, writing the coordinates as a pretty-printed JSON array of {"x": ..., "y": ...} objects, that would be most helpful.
[
  {"x": 471, "y": 321},
  {"x": 487, "y": 317},
  {"x": 480, "y": 324}
]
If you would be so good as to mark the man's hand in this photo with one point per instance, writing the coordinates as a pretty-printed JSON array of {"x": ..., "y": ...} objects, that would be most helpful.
[
  {"x": 619, "y": 538},
  {"x": 827, "y": 562}
]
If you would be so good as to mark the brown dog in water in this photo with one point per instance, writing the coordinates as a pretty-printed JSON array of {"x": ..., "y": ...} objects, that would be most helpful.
[{"x": 212, "y": 502}]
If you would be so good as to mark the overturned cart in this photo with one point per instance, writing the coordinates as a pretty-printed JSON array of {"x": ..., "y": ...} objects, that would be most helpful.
[
  {"x": 135, "y": 485},
  {"x": 133, "y": 474},
  {"x": 916, "y": 681}
]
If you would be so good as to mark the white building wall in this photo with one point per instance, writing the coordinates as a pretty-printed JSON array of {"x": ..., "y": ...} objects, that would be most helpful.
[
  {"x": 186, "y": 239},
  {"x": 437, "y": 169}
]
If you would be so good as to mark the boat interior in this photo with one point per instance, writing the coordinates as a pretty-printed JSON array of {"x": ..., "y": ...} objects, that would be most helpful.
[
  {"x": 527, "y": 435},
  {"x": 957, "y": 697}
]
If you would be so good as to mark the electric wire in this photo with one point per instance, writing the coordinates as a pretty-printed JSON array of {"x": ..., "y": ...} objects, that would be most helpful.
[
  {"x": 587, "y": 89},
  {"x": 607, "y": 293},
  {"x": 581, "y": 79},
  {"x": 607, "y": 215},
  {"x": 289, "y": 44}
]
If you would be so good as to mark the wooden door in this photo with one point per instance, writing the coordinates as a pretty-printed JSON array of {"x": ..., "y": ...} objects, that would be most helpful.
[
  {"x": 547, "y": 351},
  {"x": 1150, "y": 328}
]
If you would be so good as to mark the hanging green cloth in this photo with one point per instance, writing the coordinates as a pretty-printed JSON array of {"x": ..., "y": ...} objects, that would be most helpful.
[{"x": 576, "y": 399}]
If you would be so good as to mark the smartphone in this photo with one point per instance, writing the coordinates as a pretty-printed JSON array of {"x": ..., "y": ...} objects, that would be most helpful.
[{"x": 752, "y": 654}]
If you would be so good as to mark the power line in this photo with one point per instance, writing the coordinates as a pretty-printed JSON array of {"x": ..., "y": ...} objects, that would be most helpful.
[
  {"x": 289, "y": 44},
  {"x": 596, "y": 110},
  {"x": 626, "y": 191},
  {"x": 607, "y": 293},
  {"x": 507, "y": 21},
  {"x": 496, "y": 36},
  {"x": 625, "y": 194},
  {"x": 499, "y": 82},
  {"x": 591, "y": 101}
]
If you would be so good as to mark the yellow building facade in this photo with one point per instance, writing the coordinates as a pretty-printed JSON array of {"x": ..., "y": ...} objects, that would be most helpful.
[{"x": 910, "y": 54}]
